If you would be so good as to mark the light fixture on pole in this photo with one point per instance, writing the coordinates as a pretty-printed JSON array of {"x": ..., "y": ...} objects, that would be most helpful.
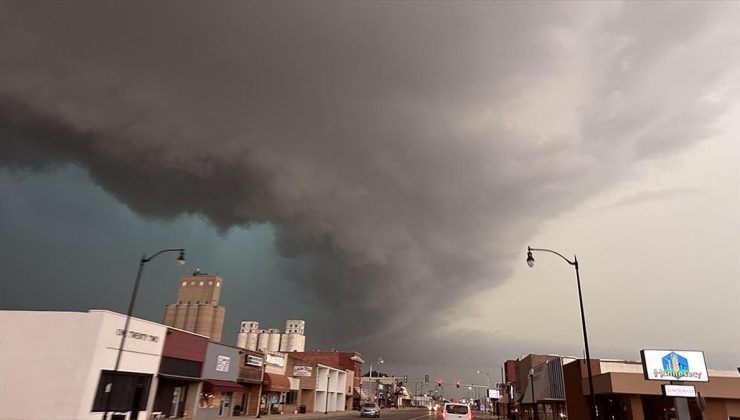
[
  {"x": 370, "y": 376},
  {"x": 488, "y": 386},
  {"x": 535, "y": 413},
  {"x": 530, "y": 262},
  {"x": 124, "y": 332}
]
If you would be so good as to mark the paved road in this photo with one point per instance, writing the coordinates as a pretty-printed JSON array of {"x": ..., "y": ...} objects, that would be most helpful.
[
  {"x": 385, "y": 414},
  {"x": 391, "y": 414}
]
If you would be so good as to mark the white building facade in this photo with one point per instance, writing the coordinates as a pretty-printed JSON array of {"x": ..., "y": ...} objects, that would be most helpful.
[
  {"x": 73, "y": 355},
  {"x": 331, "y": 389}
]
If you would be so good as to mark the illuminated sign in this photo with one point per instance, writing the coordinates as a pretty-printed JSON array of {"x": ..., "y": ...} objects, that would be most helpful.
[
  {"x": 494, "y": 394},
  {"x": 674, "y": 365},
  {"x": 679, "y": 391}
]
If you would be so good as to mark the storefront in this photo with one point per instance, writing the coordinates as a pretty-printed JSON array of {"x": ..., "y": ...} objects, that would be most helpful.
[
  {"x": 304, "y": 372},
  {"x": 73, "y": 354},
  {"x": 623, "y": 393},
  {"x": 220, "y": 388},
  {"x": 275, "y": 394},
  {"x": 180, "y": 373},
  {"x": 251, "y": 365}
]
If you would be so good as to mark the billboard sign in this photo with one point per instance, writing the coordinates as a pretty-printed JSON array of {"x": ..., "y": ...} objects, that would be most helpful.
[
  {"x": 494, "y": 394},
  {"x": 679, "y": 391},
  {"x": 674, "y": 365}
]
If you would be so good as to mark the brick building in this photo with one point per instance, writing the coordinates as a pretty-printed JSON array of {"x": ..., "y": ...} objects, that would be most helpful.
[{"x": 346, "y": 360}]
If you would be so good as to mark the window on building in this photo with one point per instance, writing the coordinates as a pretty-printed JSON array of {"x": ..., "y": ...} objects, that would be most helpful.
[
  {"x": 291, "y": 398},
  {"x": 201, "y": 284},
  {"x": 210, "y": 283},
  {"x": 127, "y": 391},
  {"x": 197, "y": 302},
  {"x": 184, "y": 284},
  {"x": 192, "y": 283},
  {"x": 206, "y": 302}
]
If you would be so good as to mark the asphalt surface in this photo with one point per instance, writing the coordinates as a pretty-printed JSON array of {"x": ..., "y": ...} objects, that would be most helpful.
[
  {"x": 385, "y": 414},
  {"x": 392, "y": 414}
]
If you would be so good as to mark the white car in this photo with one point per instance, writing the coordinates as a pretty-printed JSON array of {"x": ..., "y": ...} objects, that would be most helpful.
[{"x": 456, "y": 411}]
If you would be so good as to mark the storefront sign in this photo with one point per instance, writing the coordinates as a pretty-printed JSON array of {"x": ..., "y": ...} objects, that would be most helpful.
[
  {"x": 674, "y": 365},
  {"x": 494, "y": 394},
  {"x": 222, "y": 363},
  {"x": 273, "y": 359},
  {"x": 254, "y": 360},
  {"x": 679, "y": 391},
  {"x": 133, "y": 335},
  {"x": 303, "y": 371}
]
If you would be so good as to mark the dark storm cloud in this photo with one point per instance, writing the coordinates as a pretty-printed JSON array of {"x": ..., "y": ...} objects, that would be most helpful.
[{"x": 404, "y": 149}]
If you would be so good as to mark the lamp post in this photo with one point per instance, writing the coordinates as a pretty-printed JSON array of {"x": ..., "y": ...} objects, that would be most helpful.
[
  {"x": 488, "y": 385},
  {"x": 326, "y": 407},
  {"x": 574, "y": 263},
  {"x": 124, "y": 334},
  {"x": 370, "y": 375},
  {"x": 535, "y": 414}
]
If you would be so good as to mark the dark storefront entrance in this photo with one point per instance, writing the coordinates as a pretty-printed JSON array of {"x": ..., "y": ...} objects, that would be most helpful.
[
  {"x": 171, "y": 399},
  {"x": 128, "y": 392}
]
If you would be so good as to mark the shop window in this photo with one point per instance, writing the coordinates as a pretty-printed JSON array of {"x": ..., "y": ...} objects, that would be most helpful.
[
  {"x": 291, "y": 398},
  {"x": 129, "y": 391}
]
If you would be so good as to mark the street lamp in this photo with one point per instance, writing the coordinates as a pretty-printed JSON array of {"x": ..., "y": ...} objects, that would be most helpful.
[
  {"x": 370, "y": 375},
  {"x": 488, "y": 385},
  {"x": 144, "y": 260},
  {"x": 574, "y": 263},
  {"x": 535, "y": 413}
]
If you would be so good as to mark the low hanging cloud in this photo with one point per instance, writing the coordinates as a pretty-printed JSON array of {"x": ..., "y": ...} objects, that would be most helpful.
[{"x": 401, "y": 148}]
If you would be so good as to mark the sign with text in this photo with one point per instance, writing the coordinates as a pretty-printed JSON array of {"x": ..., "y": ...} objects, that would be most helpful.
[
  {"x": 674, "y": 365},
  {"x": 222, "y": 363},
  {"x": 306, "y": 371},
  {"x": 679, "y": 391},
  {"x": 494, "y": 394},
  {"x": 254, "y": 360},
  {"x": 274, "y": 359}
]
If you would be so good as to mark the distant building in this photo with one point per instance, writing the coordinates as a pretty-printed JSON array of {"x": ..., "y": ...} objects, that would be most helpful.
[
  {"x": 251, "y": 337},
  {"x": 197, "y": 309}
]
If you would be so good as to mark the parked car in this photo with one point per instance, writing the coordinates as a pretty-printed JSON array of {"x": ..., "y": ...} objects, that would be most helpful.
[{"x": 370, "y": 410}]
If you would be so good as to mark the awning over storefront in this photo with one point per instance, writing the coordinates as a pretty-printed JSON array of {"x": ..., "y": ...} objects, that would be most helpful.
[
  {"x": 223, "y": 386},
  {"x": 275, "y": 382}
]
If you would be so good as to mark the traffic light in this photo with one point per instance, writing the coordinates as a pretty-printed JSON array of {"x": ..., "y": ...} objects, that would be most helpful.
[
  {"x": 457, "y": 383},
  {"x": 405, "y": 378},
  {"x": 426, "y": 377},
  {"x": 439, "y": 382}
]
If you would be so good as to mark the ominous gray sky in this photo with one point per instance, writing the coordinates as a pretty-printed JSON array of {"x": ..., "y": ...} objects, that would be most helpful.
[{"x": 378, "y": 168}]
